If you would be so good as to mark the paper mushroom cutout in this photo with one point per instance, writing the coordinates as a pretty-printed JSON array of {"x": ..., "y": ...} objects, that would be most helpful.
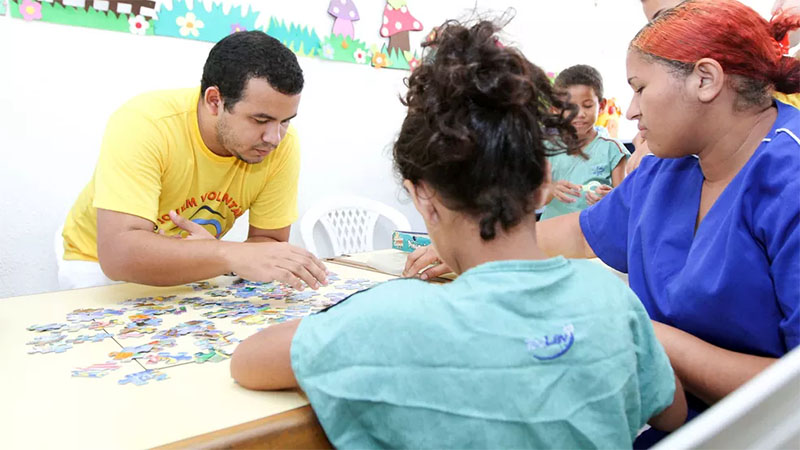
[
  {"x": 345, "y": 13},
  {"x": 397, "y": 22}
]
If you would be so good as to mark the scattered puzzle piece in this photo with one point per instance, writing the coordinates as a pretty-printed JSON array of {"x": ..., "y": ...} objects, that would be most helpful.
[
  {"x": 51, "y": 348},
  {"x": 142, "y": 378},
  {"x": 48, "y": 327},
  {"x": 168, "y": 358},
  {"x": 100, "y": 324},
  {"x": 211, "y": 356},
  {"x": 88, "y": 314},
  {"x": 89, "y": 338},
  {"x": 96, "y": 370},
  {"x": 51, "y": 338},
  {"x": 255, "y": 319},
  {"x": 127, "y": 354}
]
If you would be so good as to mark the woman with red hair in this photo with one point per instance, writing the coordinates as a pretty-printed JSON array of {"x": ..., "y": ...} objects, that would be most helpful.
[{"x": 708, "y": 232}]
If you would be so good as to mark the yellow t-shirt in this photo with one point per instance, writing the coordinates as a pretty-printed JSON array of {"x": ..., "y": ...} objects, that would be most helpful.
[
  {"x": 789, "y": 99},
  {"x": 153, "y": 160}
]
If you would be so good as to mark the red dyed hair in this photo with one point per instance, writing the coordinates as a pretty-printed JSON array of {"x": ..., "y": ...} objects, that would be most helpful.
[{"x": 742, "y": 41}]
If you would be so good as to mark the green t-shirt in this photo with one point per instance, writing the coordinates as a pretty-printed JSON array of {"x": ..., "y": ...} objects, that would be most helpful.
[
  {"x": 604, "y": 154},
  {"x": 554, "y": 353}
]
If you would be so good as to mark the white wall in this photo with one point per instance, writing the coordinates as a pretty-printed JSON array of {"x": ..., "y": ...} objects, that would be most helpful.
[{"x": 58, "y": 85}]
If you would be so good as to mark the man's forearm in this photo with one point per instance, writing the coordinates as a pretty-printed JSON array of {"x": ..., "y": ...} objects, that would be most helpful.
[{"x": 144, "y": 257}]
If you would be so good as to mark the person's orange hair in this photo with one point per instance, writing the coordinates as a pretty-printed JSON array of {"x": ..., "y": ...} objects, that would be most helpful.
[{"x": 742, "y": 41}]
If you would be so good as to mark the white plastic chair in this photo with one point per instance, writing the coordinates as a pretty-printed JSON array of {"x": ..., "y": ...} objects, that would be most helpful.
[{"x": 349, "y": 222}]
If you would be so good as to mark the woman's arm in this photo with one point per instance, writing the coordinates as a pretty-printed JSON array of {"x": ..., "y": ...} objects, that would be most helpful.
[
  {"x": 263, "y": 361},
  {"x": 562, "y": 235},
  {"x": 707, "y": 371}
]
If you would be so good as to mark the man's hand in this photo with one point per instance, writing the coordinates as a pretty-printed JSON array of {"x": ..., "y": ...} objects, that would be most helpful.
[
  {"x": 599, "y": 193},
  {"x": 192, "y": 231},
  {"x": 281, "y": 261},
  {"x": 565, "y": 191},
  {"x": 420, "y": 259}
]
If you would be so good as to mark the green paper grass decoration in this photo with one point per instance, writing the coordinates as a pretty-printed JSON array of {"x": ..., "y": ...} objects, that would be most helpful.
[
  {"x": 342, "y": 48},
  {"x": 301, "y": 40},
  {"x": 89, "y": 18},
  {"x": 396, "y": 58}
]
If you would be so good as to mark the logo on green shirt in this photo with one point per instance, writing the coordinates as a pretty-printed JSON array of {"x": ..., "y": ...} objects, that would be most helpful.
[{"x": 551, "y": 346}]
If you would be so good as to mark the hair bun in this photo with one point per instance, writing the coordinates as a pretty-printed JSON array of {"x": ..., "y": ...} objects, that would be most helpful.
[
  {"x": 787, "y": 75},
  {"x": 473, "y": 66},
  {"x": 476, "y": 127}
]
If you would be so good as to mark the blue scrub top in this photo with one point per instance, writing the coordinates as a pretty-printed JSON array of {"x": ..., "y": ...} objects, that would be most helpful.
[{"x": 735, "y": 283}]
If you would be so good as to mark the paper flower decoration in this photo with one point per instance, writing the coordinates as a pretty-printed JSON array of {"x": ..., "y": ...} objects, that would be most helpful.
[
  {"x": 189, "y": 24},
  {"x": 380, "y": 60},
  {"x": 138, "y": 25},
  {"x": 30, "y": 10},
  {"x": 327, "y": 51},
  {"x": 360, "y": 56}
]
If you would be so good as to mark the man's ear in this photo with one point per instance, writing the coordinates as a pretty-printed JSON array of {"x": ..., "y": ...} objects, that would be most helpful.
[
  {"x": 212, "y": 100},
  {"x": 603, "y": 103},
  {"x": 422, "y": 196},
  {"x": 706, "y": 80}
]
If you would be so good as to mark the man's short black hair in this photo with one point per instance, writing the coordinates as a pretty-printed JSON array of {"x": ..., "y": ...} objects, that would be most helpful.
[
  {"x": 581, "y": 75},
  {"x": 250, "y": 54}
]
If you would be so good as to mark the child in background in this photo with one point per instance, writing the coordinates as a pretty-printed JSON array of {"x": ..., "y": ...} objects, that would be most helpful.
[
  {"x": 583, "y": 176},
  {"x": 521, "y": 350}
]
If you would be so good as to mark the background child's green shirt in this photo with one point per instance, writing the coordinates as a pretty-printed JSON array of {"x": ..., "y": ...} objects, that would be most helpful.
[
  {"x": 604, "y": 154},
  {"x": 555, "y": 353}
]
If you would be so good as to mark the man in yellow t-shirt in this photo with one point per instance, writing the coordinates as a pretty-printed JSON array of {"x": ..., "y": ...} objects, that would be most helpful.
[{"x": 176, "y": 169}]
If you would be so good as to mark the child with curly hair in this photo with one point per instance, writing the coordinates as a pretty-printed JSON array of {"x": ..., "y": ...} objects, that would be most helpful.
[{"x": 521, "y": 350}]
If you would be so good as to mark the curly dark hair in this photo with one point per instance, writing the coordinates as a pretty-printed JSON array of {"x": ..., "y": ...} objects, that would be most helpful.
[
  {"x": 580, "y": 75},
  {"x": 480, "y": 124},
  {"x": 250, "y": 54}
]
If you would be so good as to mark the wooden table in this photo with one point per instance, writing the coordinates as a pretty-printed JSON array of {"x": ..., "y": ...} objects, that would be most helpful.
[{"x": 197, "y": 406}]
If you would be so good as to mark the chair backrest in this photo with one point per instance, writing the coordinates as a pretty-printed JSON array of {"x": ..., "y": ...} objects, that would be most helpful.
[{"x": 349, "y": 222}]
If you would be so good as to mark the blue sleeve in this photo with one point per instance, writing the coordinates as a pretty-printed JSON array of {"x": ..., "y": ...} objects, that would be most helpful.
[
  {"x": 779, "y": 232},
  {"x": 605, "y": 224},
  {"x": 656, "y": 377}
]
